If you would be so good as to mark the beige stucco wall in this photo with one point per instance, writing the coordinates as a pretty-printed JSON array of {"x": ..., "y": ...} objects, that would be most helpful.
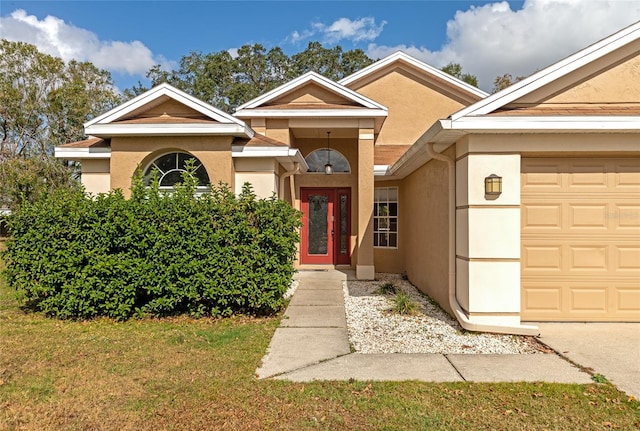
[
  {"x": 413, "y": 106},
  {"x": 424, "y": 230},
  {"x": 278, "y": 129},
  {"x": 610, "y": 79},
  {"x": 95, "y": 176},
  {"x": 127, "y": 153},
  {"x": 311, "y": 93},
  {"x": 261, "y": 173},
  {"x": 618, "y": 84}
]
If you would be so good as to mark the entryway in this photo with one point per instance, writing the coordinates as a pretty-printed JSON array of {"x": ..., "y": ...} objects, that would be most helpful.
[{"x": 326, "y": 226}]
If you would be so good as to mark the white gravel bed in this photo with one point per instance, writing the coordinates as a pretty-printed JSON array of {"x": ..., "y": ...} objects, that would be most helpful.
[{"x": 373, "y": 328}]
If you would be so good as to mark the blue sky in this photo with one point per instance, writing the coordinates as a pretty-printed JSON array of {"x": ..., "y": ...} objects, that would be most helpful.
[{"x": 487, "y": 37}]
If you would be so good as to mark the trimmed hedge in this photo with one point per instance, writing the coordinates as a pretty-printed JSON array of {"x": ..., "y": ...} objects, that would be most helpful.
[{"x": 73, "y": 256}]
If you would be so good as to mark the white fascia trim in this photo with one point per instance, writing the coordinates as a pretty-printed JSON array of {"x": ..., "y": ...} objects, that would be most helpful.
[
  {"x": 241, "y": 151},
  {"x": 108, "y": 130},
  {"x": 165, "y": 89},
  {"x": 552, "y": 73},
  {"x": 82, "y": 153},
  {"x": 318, "y": 79},
  {"x": 304, "y": 113},
  {"x": 402, "y": 56},
  {"x": 535, "y": 124},
  {"x": 380, "y": 170}
]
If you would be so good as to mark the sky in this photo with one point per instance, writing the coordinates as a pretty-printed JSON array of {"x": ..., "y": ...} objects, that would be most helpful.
[{"x": 488, "y": 38}]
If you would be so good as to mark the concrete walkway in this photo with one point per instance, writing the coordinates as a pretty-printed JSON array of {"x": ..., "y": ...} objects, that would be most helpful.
[{"x": 312, "y": 344}]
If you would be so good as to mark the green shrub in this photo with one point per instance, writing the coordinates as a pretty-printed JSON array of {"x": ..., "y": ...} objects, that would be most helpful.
[
  {"x": 73, "y": 256},
  {"x": 403, "y": 304},
  {"x": 388, "y": 288}
]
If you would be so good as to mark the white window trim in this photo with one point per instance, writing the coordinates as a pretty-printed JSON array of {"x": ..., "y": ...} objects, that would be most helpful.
[{"x": 397, "y": 217}]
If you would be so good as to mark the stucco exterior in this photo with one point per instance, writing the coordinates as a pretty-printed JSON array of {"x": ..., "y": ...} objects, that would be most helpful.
[
  {"x": 425, "y": 222},
  {"x": 129, "y": 153},
  {"x": 479, "y": 256}
]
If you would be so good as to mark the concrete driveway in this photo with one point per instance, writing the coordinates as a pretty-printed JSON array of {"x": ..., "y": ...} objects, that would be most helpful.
[{"x": 609, "y": 349}]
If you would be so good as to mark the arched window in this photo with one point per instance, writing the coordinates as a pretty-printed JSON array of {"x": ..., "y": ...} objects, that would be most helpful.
[
  {"x": 319, "y": 158},
  {"x": 170, "y": 168}
]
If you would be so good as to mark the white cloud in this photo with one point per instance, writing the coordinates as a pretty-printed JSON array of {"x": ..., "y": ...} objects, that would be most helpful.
[
  {"x": 492, "y": 40},
  {"x": 359, "y": 30},
  {"x": 55, "y": 37}
]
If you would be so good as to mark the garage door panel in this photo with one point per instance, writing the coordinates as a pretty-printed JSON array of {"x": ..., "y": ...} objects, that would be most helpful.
[
  {"x": 626, "y": 216},
  {"x": 581, "y": 300},
  {"x": 628, "y": 174},
  {"x": 627, "y": 259},
  {"x": 627, "y": 299},
  {"x": 580, "y": 239},
  {"x": 543, "y": 258},
  {"x": 540, "y": 215},
  {"x": 592, "y": 216}
]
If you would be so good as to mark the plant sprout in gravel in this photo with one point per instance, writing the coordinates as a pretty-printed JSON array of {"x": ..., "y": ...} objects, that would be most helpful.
[{"x": 373, "y": 329}]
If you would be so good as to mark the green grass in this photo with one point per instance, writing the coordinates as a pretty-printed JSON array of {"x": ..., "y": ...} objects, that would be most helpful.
[{"x": 198, "y": 374}]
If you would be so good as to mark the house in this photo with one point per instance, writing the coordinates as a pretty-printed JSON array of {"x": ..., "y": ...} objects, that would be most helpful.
[{"x": 519, "y": 206}]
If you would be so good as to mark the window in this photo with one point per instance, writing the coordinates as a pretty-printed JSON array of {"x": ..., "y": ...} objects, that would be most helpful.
[
  {"x": 319, "y": 158},
  {"x": 170, "y": 168},
  {"x": 385, "y": 217}
]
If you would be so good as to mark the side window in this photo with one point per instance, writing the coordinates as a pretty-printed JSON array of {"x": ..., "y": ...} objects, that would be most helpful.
[{"x": 385, "y": 217}]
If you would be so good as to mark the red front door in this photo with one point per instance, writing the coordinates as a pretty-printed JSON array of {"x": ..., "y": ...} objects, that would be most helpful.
[{"x": 326, "y": 226}]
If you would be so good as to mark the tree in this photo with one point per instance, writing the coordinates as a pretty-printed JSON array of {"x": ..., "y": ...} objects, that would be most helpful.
[
  {"x": 333, "y": 63},
  {"x": 503, "y": 81},
  {"x": 44, "y": 102},
  {"x": 227, "y": 81},
  {"x": 455, "y": 70},
  {"x": 31, "y": 179}
]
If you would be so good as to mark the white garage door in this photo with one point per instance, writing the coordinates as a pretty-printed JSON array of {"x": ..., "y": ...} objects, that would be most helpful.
[{"x": 580, "y": 239}]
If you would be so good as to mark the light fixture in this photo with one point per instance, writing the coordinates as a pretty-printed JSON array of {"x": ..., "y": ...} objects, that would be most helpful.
[
  {"x": 493, "y": 185},
  {"x": 328, "y": 168}
]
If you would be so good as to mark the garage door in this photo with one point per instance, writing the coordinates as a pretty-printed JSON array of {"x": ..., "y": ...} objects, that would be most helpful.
[{"x": 580, "y": 239}]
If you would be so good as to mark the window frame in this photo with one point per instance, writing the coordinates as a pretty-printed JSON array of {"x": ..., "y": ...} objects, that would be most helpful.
[
  {"x": 161, "y": 174},
  {"x": 333, "y": 153},
  {"x": 390, "y": 218}
]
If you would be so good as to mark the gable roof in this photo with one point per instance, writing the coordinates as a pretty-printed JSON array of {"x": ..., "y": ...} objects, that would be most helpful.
[
  {"x": 488, "y": 115},
  {"x": 124, "y": 119},
  {"x": 365, "y": 106},
  {"x": 400, "y": 57},
  {"x": 552, "y": 73}
]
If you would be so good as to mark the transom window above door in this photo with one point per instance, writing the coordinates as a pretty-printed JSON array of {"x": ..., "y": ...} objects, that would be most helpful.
[
  {"x": 170, "y": 168},
  {"x": 319, "y": 158}
]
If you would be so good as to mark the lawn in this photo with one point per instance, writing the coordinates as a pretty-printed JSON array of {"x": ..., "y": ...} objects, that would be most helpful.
[{"x": 188, "y": 374}]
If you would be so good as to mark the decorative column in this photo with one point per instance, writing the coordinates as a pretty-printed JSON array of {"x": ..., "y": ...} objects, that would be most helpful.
[
  {"x": 365, "y": 269},
  {"x": 488, "y": 237}
]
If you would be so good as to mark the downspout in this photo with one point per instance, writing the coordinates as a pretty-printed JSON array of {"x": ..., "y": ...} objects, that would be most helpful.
[
  {"x": 458, "y": 312},
  {"x": 295, "y": 170}
]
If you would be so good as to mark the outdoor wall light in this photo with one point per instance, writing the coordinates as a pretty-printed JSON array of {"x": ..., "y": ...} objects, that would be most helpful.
[
  {"x": 493, "y": 185},
  {"x": 328, "y": 168}
]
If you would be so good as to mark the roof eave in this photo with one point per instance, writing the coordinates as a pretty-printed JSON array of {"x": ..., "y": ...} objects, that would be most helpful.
[
  {"x": 302, "y": 113},
  {"x": 109, "y": 130},
  {"x": 82, "y": 153},
  {"x": 279, "y": 153}
]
